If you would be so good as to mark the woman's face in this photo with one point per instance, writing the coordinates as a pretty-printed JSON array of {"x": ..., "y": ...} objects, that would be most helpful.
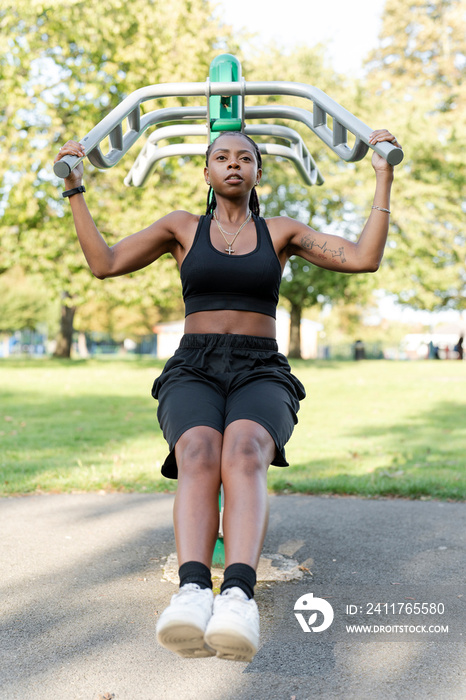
[{"x": 232, "y": 166}]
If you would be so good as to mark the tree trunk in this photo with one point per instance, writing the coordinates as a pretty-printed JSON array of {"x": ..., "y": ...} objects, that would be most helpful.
[
  {"x": 65, "y": 334},
  {"x": 295, "y": 331}
]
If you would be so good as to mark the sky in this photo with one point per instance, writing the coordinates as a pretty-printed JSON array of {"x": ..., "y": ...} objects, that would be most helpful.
[{"x": 349, "y": 29}]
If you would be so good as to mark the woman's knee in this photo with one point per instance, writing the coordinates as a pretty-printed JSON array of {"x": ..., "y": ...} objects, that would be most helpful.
[
  {"x": 247, "y": 449},
  {"x": 198, "y": 453}
]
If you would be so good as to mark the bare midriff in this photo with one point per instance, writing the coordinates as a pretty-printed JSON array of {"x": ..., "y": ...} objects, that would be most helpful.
[{"x": 231, "y": 322}]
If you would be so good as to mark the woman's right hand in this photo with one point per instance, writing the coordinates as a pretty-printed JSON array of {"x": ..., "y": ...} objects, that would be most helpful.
[{"x": 72, "y": 148}]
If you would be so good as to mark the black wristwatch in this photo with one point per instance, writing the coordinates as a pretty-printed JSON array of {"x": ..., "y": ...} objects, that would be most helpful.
[{"x": 75, "y": 190}]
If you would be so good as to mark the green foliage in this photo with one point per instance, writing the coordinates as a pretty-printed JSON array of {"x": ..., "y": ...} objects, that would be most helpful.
[
  {"x": 304, "y": 284},
  {"x": 416, "y": 88},
  {"x": 25, "y": 302},
  {"x": 63, "y": 66},
  {"x": 329, "y": 207}
]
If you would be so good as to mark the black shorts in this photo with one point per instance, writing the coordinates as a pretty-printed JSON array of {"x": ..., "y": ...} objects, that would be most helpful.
[{"x": 215, "y": 379}]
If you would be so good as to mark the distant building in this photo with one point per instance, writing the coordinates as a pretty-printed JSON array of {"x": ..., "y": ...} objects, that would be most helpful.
[
  {"x": 169, "y": 335},
  {"x": 440, "y": 343}
]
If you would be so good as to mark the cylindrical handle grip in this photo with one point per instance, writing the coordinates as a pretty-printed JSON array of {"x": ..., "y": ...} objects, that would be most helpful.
[
  {"x": 63, "y": 167},
  {"x": 391, "y": 153}
]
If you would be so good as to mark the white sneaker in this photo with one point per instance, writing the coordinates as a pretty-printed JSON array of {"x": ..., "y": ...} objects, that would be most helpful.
[
  {"x": 181, "y": 626},
  {"x": 233, "y": 630}
]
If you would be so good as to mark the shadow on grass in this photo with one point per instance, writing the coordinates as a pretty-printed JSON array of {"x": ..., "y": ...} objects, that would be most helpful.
[
  {"x": 99, "y": 360},
  {"x": 430, "y": 429},
  {"x": 54, "y": 441},
  {"x": 69, "y": 437},
  {"x": 95, "y": 420},
  {"x": 424, "y": 457}
]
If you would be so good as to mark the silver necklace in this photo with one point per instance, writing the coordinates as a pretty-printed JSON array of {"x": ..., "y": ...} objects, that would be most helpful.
[{"x": 224, "y": 233}]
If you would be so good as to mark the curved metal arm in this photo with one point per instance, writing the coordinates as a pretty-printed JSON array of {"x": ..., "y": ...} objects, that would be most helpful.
[
  {"x": 112, "y": 125},
  {"x": 323, "y": 106},
  {"x": 158, "y": 116},
  {"x": 151, "y": 152},
  {"x": 340, "y": 146},
  {"x": 343, "y": 120}
]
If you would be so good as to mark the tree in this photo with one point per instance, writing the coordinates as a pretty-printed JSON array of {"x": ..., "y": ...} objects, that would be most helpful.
[
  {"x": 325, "y": 208},
  {"x": 417, "y": 88},
  {"x": 57, "y": 83},
  {"x": 305, "y": 285},
  {"x": 25, "y": 302}
]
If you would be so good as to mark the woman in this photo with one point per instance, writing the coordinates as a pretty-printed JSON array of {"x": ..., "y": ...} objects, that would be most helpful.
[{"x": 227, "y": 399}]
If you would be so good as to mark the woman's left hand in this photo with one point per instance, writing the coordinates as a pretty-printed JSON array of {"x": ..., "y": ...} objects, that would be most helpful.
[{"x": 378, "y": 162}]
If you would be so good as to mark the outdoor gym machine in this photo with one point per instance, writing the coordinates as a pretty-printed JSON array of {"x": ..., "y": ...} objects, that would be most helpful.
[
  {"x": 224, "y": 92},
  {"x": 225, "y": 110}
]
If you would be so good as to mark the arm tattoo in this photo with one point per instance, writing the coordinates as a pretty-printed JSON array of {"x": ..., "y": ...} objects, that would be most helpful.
[{"x": 325, "y": 253}]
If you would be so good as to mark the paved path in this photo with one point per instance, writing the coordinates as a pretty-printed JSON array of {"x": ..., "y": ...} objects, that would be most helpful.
[{"x": 82, "y": 581}]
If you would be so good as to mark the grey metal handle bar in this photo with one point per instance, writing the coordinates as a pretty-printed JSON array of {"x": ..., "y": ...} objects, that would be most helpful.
[
  {"x": 323, "y": 105},
  {"x": 342, "y": 119},
  {"x": 129, "y": 108},
  {"x": 152, "y": 152},
  {"x": 198, "y": 149}
]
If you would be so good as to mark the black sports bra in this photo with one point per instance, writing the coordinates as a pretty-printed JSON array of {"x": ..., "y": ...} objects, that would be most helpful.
[{"x": 213, "y": 280}]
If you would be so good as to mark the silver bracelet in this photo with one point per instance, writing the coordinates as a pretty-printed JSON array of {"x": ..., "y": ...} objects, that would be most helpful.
[{"x": 382, "y": 209}]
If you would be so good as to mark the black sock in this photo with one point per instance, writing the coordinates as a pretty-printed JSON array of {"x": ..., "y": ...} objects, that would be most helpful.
[
  {"x": 241, "y": 575},
  {"x": 195, "y": 572}
]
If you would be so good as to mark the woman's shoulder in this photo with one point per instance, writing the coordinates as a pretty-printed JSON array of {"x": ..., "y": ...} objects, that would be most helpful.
[
  {"x": 182, "y": 226},
  {"x": 283, "y": 225},
  {"x": 281, "y": 221},
  {"x": 285, "y": 232},
  {"x": 179, "y": 222},
  {"x": 180, "y": 216}
]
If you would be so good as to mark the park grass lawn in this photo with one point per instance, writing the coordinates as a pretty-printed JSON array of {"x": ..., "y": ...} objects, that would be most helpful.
[{"x": 372, "y": 428}]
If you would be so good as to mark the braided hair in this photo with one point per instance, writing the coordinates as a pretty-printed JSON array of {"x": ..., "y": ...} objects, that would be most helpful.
[{"x": 253, "y": 199}]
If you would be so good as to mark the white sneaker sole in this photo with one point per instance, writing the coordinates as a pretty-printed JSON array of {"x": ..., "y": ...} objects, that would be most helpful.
[
  {"x": 184, "y": 639},
  {"x": 231, "y": 643}
]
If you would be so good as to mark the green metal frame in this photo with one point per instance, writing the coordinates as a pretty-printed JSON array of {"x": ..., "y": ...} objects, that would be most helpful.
[
  {"x": 218, "y": 557},
  {"x": 225, "y": 111},
  {"x": 225, "y": 114}
]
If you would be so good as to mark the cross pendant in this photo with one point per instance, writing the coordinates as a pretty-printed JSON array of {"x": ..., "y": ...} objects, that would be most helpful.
[{"x": 229, "y": 250}]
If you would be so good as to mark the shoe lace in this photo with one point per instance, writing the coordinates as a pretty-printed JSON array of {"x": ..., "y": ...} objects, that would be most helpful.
[
  {"x": 190, "y": 592},
  {"x": 237, "y": 602}
]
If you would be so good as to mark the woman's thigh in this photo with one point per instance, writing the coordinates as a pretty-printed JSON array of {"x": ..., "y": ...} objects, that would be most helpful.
[
  {"x": 268, "y": 401},
  {"x": 189, "y": 403}
]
